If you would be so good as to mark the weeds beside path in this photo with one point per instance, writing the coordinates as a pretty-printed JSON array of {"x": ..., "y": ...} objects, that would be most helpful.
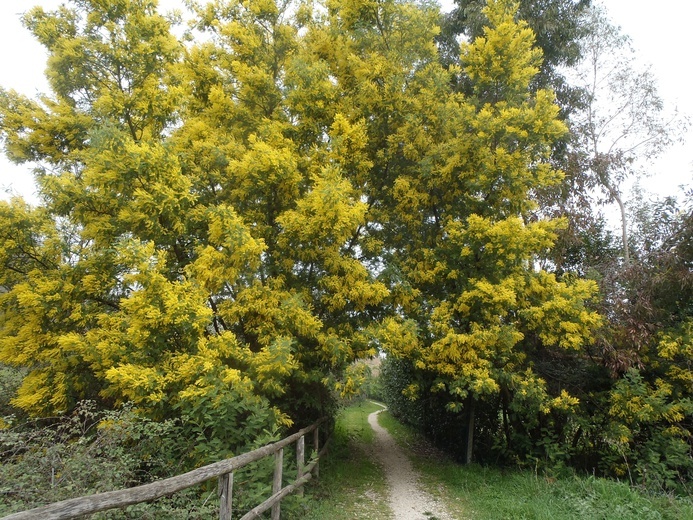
[{"x": 488, "y": 493}]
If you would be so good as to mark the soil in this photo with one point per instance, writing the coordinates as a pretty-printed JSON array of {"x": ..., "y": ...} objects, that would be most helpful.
[{"x": 407, "y": 498}]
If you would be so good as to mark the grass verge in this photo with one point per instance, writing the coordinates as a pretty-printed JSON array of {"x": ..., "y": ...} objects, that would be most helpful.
[
  {"x": 494, "y": 494},
  {"x": 351, "y": 485}
]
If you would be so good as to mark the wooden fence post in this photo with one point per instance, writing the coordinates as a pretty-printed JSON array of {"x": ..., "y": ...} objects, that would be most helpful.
[
  {"x": 225, "y": 496},
  {"x": 277, "y": 482},
  {"x": 300, "y": 460},
  {"x": 316, "y": 444}
]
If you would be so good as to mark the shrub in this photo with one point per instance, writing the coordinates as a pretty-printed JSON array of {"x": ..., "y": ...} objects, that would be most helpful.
[{"x": 88, "y": 451}]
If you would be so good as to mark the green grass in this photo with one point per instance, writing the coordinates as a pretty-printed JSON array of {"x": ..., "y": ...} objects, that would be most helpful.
[
  {"x": 351, "y": 485},
  {"x": 494, "y": 494}
]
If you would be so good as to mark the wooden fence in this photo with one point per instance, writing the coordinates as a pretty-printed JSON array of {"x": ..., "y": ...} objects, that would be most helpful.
[{"x": 223, "y": 470}]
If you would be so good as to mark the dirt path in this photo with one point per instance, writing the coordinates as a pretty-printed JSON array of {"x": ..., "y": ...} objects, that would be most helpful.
[{"x": 408, "y": 500}]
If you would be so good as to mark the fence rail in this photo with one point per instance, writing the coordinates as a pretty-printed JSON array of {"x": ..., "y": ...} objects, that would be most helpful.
[{"x": 223, "y": 470}]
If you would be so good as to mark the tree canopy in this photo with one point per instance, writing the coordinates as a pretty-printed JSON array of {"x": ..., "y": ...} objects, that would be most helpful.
[{"x": 228, "y": 224}]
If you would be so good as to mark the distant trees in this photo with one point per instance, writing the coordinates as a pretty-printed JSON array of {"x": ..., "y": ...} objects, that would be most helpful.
[{"x": 623, "y": 123}]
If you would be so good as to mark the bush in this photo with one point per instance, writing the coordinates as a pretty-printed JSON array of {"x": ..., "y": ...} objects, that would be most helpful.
[
  {"x": 10, "y": 379},
  {"x": 649, "y": 434},
  {"x": 89, "y": 451},
  {"x": 92, "y": 451}
]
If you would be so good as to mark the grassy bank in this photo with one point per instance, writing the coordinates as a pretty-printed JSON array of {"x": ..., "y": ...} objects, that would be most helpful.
[{"x": 493, "y": 494}]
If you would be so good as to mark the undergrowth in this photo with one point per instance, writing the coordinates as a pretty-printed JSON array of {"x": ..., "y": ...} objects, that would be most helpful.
[
  {"x": 485, "y": 493},
  {"x": 91, "y": 451}
]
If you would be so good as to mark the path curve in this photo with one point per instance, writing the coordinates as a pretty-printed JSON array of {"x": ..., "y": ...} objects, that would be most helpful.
[{"x": 407, "y": 499}]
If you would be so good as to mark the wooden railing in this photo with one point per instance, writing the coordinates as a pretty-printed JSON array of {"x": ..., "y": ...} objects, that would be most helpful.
[{"x": 223, "y": 470}]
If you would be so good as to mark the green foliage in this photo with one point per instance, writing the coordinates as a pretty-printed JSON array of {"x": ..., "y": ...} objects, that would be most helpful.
[
  {"x": 10, "y": 380},
  {"x": 650, "y": 440},
  {"x": 93, "y": 451},
  {"x": 88, "y": 451},
  {"x": 488, "y": 493},
  {"x": 397, "y": 375}
]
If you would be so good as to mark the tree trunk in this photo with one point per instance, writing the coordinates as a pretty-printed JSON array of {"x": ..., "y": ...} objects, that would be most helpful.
[
  {"x": 624, "y": 226},
  {"x": 505, "y": 402},
  {"x": 470, "y": 430},
  {"x": 613, "y": 192}
]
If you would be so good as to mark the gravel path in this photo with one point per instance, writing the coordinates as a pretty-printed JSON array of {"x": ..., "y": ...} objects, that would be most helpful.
[{"x": 408, "y": 500}]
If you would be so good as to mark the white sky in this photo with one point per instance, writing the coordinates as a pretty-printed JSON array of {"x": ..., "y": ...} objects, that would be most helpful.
[{"x": 660, "y": 32}]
